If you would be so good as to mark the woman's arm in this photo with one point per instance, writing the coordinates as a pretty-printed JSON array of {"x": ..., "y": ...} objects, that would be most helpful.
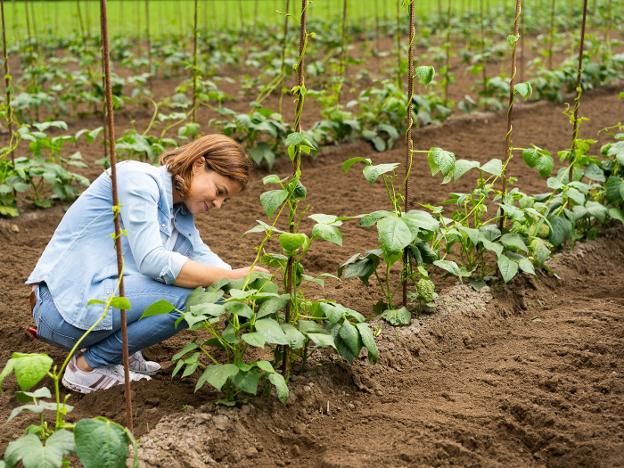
[{"x": 194, "y": 274}]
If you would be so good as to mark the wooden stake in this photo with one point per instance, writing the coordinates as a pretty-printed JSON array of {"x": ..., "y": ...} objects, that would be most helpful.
[{"x": 110, "y": 122}]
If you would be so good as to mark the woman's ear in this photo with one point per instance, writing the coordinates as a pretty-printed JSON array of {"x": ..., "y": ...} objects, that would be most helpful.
[{"x": 198, "y": 164}]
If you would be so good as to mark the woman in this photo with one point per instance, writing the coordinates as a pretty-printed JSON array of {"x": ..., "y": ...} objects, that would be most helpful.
[{"x": 164, "y": 257}]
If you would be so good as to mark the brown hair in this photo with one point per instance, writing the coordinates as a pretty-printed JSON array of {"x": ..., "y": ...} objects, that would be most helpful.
[{"x": 221, "y": 154}]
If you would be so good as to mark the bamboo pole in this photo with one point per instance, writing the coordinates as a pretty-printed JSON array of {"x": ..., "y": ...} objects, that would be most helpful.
[{"x": 110, "y": 122}]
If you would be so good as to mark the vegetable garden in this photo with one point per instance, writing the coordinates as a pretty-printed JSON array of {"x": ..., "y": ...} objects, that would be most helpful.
[{"x": 437, "y": 191}]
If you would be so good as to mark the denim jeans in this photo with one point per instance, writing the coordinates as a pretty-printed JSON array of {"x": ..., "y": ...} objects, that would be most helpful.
[{"x": 103, "y": 347}]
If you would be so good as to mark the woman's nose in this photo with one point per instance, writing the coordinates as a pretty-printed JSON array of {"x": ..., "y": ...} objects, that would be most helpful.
[{"x": 217, "y": 202}]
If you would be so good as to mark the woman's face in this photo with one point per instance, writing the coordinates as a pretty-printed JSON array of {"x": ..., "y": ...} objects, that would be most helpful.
[{"x": 209, "y": 189}]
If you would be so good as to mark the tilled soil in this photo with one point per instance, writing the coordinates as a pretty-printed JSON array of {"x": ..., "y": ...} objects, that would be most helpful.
[
  {"x": 541, "y": 387},
  {"x": 531, "y": 375}
]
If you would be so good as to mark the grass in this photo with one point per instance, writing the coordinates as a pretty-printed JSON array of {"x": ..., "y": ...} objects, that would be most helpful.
[{"x": 127, "y": 17}]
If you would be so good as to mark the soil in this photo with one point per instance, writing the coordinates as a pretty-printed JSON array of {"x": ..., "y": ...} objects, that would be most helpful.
[{"x": 526, "y": 375}]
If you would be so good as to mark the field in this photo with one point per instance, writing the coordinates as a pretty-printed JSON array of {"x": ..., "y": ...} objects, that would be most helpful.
[{"x": 509, "y": 347}]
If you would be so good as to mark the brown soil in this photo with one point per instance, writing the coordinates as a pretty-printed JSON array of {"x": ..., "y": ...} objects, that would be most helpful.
[{"x": 484, "y": 386}]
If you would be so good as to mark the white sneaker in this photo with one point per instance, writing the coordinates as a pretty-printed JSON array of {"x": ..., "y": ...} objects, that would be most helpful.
[
  {"x": 138, "y": 364},
  {"x": 100, "y": 378}
]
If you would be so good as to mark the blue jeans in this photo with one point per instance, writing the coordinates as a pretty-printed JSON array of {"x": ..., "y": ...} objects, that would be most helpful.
[{"x": 103, "y": 347}]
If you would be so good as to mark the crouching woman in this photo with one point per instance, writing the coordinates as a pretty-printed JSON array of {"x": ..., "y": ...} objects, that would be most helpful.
[{"x": 164, "y": 257}]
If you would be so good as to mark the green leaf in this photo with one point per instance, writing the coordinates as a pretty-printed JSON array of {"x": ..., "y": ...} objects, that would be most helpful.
[
  {"x": 440, "y": 161},
  {"x": 280, "y": 386},
  {"x": 30, "y": 368},
  {"x": 461, "y": 167},
  {"x": 216, "y": 375},
  {"x": 524, "y": 89},
  {"x": 512, "y": 39},
  {"x": 394, "y": 234},
  {"x": 327, "y": 232},
  {"x": 254, "y": 339},
  {"x": 296, "y": 339},
  {"x": 372, "y": 173},
  {"x": 492, "y": 246},
  {"x": 616, "y": 213},
  {"x": 451, "y": 267},
  {"x": 351, "y": 337},
  {"x": 539, "y": 159},
  {"x": 526, "y": 266},
  {"x": 424, "y": 74},
  {"x": 273, "y": 305},
  {"x": 34, "y": 454},
  {"x": 101, "y": 443},
  {"x": 561, "y": 230},
  {"x": 322, "y": 340},
  {"x": 271, "y": 179},
  {"x": 121, "y": 303},
  {"x": 514, "y": 241},
  {"x": 247, "y": 381},
  {"x": 493, "y": 167},
  {"x": 271, "y": 331},
  {"x": 292, "y": 241},
  {"x": 272, "y": 200},
  {"x": 349, "y": 163},
  {"x": 420, "y": 219},
  {"x": 397, "y": 317},
  {"x": 159, "y": 307},
  {"x": 507, "y": 267},
  {"x": 614, "y": 188},
  {"x": 368, "y": 339},
  {"x": 597, "y": 210},
  {"x": 371, "y": 219}
]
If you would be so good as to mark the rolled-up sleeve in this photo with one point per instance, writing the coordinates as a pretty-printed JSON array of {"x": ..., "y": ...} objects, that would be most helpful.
[{"x": 138, "y": 196}]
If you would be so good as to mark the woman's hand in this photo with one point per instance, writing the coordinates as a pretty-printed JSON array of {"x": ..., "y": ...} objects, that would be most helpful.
[{"x": 243, "y": 272}]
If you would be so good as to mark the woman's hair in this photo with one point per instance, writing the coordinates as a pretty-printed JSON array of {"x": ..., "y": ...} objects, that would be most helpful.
[{"x": 221, "y": 154}]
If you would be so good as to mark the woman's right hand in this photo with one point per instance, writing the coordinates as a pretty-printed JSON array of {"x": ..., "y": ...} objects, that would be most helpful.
[{"x": 239, "y": 273}]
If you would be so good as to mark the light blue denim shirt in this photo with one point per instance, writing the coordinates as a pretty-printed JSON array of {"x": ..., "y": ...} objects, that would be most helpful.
[{"x": 79, "y": 263}]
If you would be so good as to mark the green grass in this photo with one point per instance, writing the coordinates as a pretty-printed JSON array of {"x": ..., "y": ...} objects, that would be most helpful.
[{"x": 127, "y": 17}]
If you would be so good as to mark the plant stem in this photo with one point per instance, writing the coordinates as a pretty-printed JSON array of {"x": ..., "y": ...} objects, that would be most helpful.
[
  {"x": 579, "y": 92},
  {"x": 290, "y": 267},
  {"x": 508, "y": 142},
  {"x": 113, "y": 161}
]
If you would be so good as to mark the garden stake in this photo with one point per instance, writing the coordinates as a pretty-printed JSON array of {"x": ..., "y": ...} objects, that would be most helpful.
[
  {"x": 579, "y": 91},
  {"x": 7, "y": 85},
  {"x": 409, "y": 154},
  {"x": 283, "y": 58},
  {"x": 447, "y": 63},
  {"x": 483, "y": 61},
  {"x": 343, "y": 50},
  {"x": 522, "y": 48},
  {"x": 512, "y": 81},
  {"x": 194, "y": 107},
  {"x": 290, "y": 270},
  {"x": 551, "y": 39},
  {"x": 80, "y": 22},
  {"x": 113, "y": 161},
  {"x": 397, "y": 38},
  {"x": 149, "y": 44}
]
